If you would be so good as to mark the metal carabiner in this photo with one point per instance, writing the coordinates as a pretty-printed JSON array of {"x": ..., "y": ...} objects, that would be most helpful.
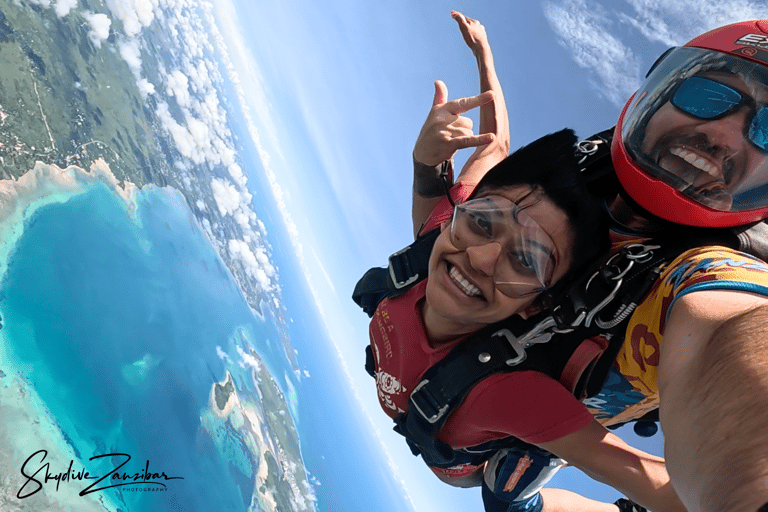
[
  {"x": 541, "y": 333},
  {"x": 643, "y": 256},
  {"x": 587, "y": 148},
  {"x": 604, "y": 302}
]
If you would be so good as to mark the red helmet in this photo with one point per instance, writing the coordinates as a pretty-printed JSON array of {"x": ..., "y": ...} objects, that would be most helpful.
[{"x": 691, "y": 146}]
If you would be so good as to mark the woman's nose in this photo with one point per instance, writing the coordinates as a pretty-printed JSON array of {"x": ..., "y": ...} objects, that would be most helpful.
[{"x": 483, "y": 258}]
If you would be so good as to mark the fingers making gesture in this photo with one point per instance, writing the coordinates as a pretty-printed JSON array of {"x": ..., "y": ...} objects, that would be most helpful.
[{"x": 446, "y": 131}]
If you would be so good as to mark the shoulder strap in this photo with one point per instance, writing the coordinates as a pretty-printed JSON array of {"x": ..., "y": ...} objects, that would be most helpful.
[
  {"x": 753, "y": 239},
  {"x": 406, "y": 268},
  {"x": 444, "y": 387}
]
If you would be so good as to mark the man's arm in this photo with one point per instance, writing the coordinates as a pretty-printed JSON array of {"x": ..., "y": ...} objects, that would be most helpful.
[
  {"x": 713, "y": 386},
  {"x": 605, "y": 457}
]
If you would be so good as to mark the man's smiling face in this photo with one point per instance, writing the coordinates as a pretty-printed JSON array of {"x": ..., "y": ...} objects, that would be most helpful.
[{"x": 713, "y": 156}]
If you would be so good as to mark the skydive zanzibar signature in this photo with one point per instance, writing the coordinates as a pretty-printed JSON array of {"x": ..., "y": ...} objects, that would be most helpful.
[{"x": 30, "y": 472}]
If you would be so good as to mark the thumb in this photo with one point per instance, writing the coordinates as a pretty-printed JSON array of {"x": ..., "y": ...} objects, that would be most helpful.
[{"x": 441, "y": 93}]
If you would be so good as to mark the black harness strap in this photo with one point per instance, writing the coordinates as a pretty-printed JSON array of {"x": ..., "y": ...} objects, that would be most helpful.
[
  {"x": 444, "y": 387},
  {"x": 406, "y": 268}
]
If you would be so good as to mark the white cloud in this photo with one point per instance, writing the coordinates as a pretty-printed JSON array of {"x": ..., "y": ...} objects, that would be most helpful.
[
  {"x": 100, "y": 24},
  {"x": 226, "y": 196},
  {"x": 64, "y": 6},
  {"x": 584, "y": 30},
  {"x": 247, "y": 359},
  {"x": 177, "y": 84},
  {"x": 199, "y": 127},
  {"x": 135, "y": 14},
  {"x": 256, "y": 264},
  {"x": 675, "y": 23},
  {"x": 145, "y": 87},
  {"x": 221, "y": 354},
  {"x": 130, "y": 51}
]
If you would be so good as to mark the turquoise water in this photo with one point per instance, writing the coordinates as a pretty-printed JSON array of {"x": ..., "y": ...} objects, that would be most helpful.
[
  {"x": 115, "y": 323},
  {"x": 120, "y": 324}
]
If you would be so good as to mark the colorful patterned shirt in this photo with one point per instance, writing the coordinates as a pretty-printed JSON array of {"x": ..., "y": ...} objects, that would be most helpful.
[{"x": 631, "y": 388}]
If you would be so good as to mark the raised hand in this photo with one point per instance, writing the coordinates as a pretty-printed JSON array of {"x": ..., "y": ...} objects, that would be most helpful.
[
  {"x": 445, "y": 131},
  {"x": 472, "y": 31}
]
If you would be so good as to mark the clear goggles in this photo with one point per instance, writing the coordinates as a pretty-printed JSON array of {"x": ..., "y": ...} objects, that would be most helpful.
[
  {"x": 682, "y": 130},
  {"x": 526, "y": 262}
]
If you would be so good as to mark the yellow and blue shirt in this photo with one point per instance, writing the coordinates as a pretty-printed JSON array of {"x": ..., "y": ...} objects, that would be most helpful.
[{"x": 631, "y": 388}]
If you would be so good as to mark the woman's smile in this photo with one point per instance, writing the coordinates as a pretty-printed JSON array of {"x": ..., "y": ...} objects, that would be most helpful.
[{"x": 463, "y": 283}]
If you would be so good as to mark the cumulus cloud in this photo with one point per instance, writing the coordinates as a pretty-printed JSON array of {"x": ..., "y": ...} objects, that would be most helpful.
[
  {"x": 247, "y": 359},
  {"x": 222, "y": 355},
  {"x": 177, "y": 84},
  {"x": 227, "y": 197},
  {"x": 256, "y": 264},
  {"x": 145, "y": 87},
  {"x": 130, "y": 51},
  {"x": 64, "y": 6},
  {"x": 100, "y": 24},
  {"x": 198, "y": 123},
  {"x": 134, "y": 14}
]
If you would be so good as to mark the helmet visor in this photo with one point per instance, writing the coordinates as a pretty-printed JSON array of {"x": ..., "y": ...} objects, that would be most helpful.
[{"x": 700, "y": 124}]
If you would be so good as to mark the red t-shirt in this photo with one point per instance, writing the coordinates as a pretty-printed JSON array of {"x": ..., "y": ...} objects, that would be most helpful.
[{"x": 527, "y": 405}]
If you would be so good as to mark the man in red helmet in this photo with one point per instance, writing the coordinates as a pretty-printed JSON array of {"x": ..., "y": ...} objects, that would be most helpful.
[
  {"x": 691, "y": 149},
  {"x": 691, "y": 155}
]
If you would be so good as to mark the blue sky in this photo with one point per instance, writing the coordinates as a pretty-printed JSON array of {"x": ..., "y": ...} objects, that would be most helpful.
[{"x": 337, "y": 92}]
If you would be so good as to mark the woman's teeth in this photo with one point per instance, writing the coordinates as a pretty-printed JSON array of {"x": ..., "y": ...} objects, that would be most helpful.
[
  {"x": 696, "y": 161},
  {"x": 467, "y": 287}
]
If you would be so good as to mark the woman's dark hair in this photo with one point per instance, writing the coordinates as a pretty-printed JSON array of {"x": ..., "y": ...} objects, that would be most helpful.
[{"x": 550, "y": 165}]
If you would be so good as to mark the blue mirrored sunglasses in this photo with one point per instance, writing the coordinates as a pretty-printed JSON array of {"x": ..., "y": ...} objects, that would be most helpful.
[{"x": 707, "y": 99}]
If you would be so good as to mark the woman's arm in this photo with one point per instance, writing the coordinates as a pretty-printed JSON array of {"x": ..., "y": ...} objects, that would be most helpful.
[
  {"x": 493, "y": 116},
  {"x": 445, "y": 131}
]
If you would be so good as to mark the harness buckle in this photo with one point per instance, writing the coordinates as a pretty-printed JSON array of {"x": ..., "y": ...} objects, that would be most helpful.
[
  {"x": 541, "y": 333},
  {"x": 426, "y": 404},
  {"x": 403, "y": 267}
]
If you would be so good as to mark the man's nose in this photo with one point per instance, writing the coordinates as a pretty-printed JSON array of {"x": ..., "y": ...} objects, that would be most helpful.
[
  {"x": 483, "y": 258},
  {"x": 727, "y": 132}
]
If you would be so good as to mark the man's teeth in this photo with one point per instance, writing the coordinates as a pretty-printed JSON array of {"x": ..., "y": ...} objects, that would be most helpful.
[
  {"x": 467, "y": 287},
  {"x": 696, "y": 161}
]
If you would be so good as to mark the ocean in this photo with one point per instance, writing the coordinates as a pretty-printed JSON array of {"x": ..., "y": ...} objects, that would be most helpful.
[{"x": 120, "y": 323}]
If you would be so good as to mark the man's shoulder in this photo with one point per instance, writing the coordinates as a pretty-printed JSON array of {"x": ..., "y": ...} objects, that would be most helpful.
[{"x": 710, "y": 268}]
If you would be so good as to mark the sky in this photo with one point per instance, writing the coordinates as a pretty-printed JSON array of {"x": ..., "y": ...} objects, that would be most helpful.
[
  {"x": 338, "y": 90},
  {"x": 334, "y": 94}
]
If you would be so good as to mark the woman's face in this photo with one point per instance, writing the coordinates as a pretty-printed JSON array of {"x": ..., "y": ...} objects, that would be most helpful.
[{"x": 462, "y": 289}]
